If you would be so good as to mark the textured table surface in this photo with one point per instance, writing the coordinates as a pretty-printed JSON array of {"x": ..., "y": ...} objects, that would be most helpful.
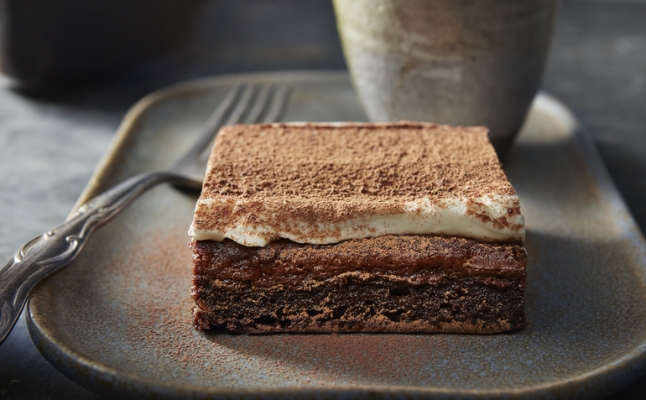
[{"x": 50, "y": 144}]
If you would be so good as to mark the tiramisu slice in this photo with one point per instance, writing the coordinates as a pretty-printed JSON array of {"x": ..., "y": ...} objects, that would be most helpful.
[{"x": 397, "y": 227}]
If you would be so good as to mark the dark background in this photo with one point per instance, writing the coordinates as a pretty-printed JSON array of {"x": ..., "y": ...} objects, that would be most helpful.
[{"x": 60, "y": 110}]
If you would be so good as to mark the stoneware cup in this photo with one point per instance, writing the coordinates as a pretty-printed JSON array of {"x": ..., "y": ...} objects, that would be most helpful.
[{"x": 458, "y": 62}]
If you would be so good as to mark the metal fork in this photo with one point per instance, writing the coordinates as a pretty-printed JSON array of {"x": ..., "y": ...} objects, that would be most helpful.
[{"x": 53, "y": 250}]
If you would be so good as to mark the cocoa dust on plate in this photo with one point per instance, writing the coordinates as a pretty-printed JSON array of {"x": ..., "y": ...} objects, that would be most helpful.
[{"x": 156, "y": 298}]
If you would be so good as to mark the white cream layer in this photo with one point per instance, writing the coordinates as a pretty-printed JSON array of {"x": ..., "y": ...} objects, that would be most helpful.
[{"x": 453, "y": 217}]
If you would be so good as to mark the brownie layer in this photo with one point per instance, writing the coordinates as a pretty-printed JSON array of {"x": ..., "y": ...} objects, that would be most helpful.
[{"x": 383, "y": 284}]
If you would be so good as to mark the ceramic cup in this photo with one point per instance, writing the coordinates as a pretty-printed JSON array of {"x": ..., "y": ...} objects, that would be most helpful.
[{"x": 458, "y": 62}]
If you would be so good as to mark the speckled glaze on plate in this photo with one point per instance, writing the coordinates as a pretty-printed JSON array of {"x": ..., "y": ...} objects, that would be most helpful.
[{"x": 118, "y": 319}]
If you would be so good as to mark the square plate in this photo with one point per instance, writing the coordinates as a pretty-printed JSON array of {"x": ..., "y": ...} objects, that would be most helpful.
[{"x": 118, "y": 320}]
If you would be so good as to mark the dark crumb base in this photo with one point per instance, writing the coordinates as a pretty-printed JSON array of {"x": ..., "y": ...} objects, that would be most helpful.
[{"x": 359, "y": 302}]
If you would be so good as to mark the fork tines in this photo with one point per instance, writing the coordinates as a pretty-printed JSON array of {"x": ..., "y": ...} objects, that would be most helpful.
[
  {"x": 257, "y": 103},
  {"x": 243, "y": 103}
]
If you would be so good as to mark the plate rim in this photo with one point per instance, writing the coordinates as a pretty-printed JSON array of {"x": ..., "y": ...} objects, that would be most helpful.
[{"x": 98, "y": 377}]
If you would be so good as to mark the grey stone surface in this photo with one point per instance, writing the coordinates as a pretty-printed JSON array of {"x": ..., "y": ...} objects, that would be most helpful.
[
  {"x": 47, "y": 154},
  {"x": 49, "y": 145}
]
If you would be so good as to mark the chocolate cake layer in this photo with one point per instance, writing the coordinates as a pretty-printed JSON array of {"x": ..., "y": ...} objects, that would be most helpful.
[{"x": 384, "y": 284}]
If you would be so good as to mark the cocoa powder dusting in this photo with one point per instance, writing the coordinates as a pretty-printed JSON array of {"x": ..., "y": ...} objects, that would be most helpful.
[{"x": 332, "y": 173}]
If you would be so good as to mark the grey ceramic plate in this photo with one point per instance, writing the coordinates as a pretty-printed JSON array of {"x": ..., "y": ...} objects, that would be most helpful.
[{"x": 118, "y": 319}]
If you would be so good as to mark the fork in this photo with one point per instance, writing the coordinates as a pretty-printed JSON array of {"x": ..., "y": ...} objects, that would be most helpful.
[{"x": 49, "y": 252}]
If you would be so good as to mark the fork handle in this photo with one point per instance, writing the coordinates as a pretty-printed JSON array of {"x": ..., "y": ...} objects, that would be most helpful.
[{"x": 53, "y": 250}]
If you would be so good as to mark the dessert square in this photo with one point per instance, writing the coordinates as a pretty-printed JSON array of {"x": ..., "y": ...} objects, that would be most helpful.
[{"x": 352, "y": 227}]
